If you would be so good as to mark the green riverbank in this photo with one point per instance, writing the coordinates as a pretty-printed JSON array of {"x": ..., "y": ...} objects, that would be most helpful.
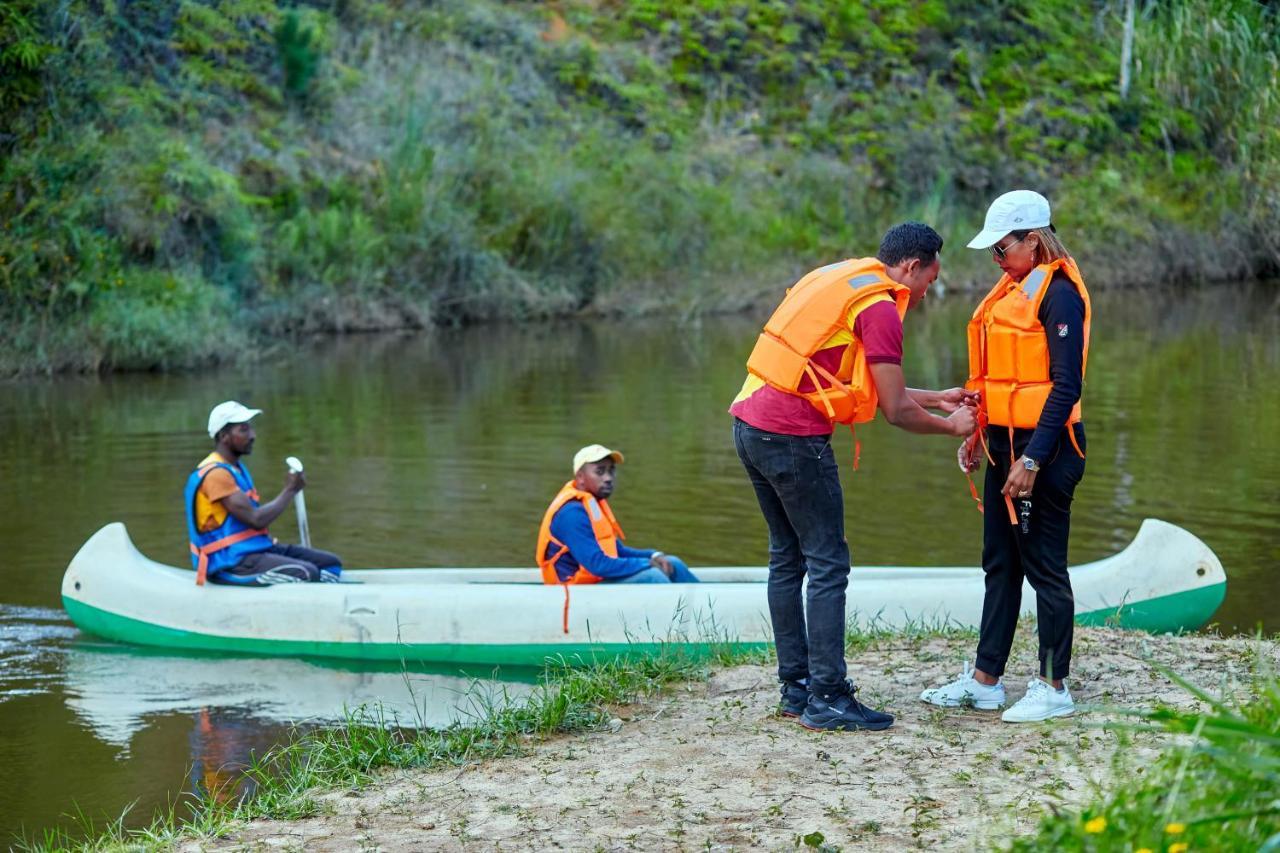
[
  {"x": 673, "y": 752},
  {"x": 182, "y": 181}
]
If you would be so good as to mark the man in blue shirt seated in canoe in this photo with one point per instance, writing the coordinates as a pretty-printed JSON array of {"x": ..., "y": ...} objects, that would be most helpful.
[
  {"x": 226, "y": 524},
  {"x": 580, "y": 540}
]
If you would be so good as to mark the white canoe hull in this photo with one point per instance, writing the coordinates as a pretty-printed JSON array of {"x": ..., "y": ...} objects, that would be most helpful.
[{"x": 1165, "y": 580}]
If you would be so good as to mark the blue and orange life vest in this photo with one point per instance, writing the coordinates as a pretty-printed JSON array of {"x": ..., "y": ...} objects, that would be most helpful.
[
  {"x": 603, "y": 525},
  {"x": 231, "y": 541}
]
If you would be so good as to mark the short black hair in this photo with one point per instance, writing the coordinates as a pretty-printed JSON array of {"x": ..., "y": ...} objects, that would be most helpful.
[{"x": 909, "y": 240}]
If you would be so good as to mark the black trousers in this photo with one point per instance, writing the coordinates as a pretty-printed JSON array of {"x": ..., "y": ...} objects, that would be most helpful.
[
  {"x": 282, "y": 564},
  {"x": 797, "y": 483},
  {"x": 1039, "y": 554}
]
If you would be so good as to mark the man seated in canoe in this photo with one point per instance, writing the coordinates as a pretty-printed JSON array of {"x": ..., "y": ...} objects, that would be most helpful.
[
  {"x": 226, "y": 524},
  {"x": 580, "y": 540}
]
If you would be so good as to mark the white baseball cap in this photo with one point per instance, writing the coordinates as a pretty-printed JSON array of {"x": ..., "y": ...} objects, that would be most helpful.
[
  {"x": 1019, "y": 210},
  {"x": 229, "y": 412},
  {"x": 594, "y": 453}
]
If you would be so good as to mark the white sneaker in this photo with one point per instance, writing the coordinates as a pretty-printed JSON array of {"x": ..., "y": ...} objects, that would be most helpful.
[
  {"x": 1041, "y": 703},
  {"x": 966, "y": 691}
]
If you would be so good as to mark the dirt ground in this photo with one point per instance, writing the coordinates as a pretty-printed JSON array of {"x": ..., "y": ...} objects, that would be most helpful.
[{"x": 710, "y": 767}]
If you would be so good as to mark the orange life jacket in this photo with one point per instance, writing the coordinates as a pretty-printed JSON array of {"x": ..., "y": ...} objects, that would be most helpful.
[
  {"x": 815, "y": 308},
  {"x": 603, "y": 525},
  {"x": 1008, "y": 352}
]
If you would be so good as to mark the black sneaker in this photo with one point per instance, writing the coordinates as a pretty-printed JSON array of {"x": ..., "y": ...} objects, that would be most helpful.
[
  {"x": 795, "y": 696},
  {"x": 842, "y": 712}
]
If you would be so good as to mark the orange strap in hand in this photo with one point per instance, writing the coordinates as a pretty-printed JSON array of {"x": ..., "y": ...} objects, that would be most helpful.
[{"x": 973, "y": 492}]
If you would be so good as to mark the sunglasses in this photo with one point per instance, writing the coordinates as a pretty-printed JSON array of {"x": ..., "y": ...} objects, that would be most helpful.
[{"x": 998, "y": 252}]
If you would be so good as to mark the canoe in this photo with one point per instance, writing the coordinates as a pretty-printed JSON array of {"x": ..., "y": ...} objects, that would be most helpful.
[{"x": 1165, "y": 580}]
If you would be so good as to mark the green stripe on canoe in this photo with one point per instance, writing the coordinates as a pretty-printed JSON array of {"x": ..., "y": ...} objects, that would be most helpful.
[
  {"x": 112, "y": 626},
  {"x": 1182, "y": 611}
]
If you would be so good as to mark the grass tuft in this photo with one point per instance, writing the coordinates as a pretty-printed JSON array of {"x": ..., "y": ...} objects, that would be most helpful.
[{"x": 1219, "y": 789}]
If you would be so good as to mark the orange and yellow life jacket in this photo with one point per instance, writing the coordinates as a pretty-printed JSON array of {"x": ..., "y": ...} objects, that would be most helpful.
[
  {"x": 824, "y": 302},
  {"x": 1009, "y": 358},
  {"x": 1008, "y": 351},
  {"x": 603, "y": 525}
]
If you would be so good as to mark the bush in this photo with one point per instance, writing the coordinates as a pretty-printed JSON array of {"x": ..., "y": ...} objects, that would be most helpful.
[{"x": 371, "y": 165}]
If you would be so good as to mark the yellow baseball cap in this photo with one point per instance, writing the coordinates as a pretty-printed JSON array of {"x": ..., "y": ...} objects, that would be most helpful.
[{"x": 594, "y": 453}]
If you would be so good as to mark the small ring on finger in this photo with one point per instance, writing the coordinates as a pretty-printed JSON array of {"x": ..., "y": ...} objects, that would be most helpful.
[{"x": 1024, "y": 493}]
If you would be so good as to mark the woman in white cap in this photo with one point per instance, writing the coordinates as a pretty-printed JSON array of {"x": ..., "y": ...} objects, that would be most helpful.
[{"x": 1028, "y": 345}]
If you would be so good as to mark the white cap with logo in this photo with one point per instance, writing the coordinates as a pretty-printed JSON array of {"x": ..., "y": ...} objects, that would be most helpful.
[
  {"x": 594, "y": 453},
  {"x": 1019, "y": 210},
  {"x": 229, "y": 412}
]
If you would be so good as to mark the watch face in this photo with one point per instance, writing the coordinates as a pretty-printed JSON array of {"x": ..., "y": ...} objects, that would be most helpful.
[{"x": 1030, "y": 464}]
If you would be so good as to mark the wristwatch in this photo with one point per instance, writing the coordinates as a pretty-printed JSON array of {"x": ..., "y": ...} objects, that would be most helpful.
[{"x": 1030, "y": 464}]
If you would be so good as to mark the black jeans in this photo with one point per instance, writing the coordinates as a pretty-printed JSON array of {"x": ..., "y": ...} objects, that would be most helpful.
[
  {"x": 797, "y": 483},
  {"x": 1039, "y": 555}
]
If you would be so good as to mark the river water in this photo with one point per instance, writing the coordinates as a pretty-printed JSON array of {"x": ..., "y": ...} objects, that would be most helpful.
[{"x": 443, "y": 449}]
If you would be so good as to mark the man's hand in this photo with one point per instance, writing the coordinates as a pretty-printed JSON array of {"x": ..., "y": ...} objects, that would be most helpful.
[
  {"x": 1020, "y": 482},
  {"x": 238, "y": 504},
  {"x": 953, "y": 398},
  {"x": 662, "y": 562},
  {"x": 963, "y": 421}
]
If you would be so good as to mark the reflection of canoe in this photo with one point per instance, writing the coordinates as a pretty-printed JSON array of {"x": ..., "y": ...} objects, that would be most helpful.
[
  {"x": 1166, "y": 580},
  {"x": 115, "y": 690}
]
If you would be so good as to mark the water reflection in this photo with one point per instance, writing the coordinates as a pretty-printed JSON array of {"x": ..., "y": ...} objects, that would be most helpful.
[
  {"x": 114, "y": 690},
  {"x": 163, "y": 726},
  {"x": 443, "y": 450}
]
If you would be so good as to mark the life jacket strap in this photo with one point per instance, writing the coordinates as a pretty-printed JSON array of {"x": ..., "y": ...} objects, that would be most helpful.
[
  {"x": 973, "y": 492},
  {"x": 979, "y": 437},
  {"x": 565, "y": 619},
  {"x": 554, "y": 558},
  {"x": 813, "y": 370},
  {"x": 202, "y": 553},
  {"x": 822, "y": 394},
  {"x": 1071, "y": 431},
  {"x": 1008, "y": 501}
]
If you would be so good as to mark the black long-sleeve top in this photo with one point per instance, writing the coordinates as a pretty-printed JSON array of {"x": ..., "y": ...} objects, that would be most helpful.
[{"x": 1062, "y": 315}]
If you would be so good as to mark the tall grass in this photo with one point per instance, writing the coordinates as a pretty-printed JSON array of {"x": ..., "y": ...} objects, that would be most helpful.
[
  {"x": 1218, "y": 790},
  {"x": 1220, "y": 60}
]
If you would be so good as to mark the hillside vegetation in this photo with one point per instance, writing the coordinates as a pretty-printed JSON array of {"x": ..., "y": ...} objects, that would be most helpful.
[{"x": 183, "y": 181}]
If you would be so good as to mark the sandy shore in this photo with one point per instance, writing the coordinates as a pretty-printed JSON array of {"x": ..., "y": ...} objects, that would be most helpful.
[{"x": 710, "y": 766}]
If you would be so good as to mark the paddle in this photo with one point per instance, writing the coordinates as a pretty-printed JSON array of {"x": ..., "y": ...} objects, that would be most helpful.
[{"x": 300, "y": 504}]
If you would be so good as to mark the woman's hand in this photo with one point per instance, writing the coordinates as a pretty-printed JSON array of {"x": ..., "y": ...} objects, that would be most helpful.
[{"x": 1020, "y": 482}]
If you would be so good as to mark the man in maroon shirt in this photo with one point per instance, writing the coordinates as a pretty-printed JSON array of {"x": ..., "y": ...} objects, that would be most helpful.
[{"x": 784, "y": 442}]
